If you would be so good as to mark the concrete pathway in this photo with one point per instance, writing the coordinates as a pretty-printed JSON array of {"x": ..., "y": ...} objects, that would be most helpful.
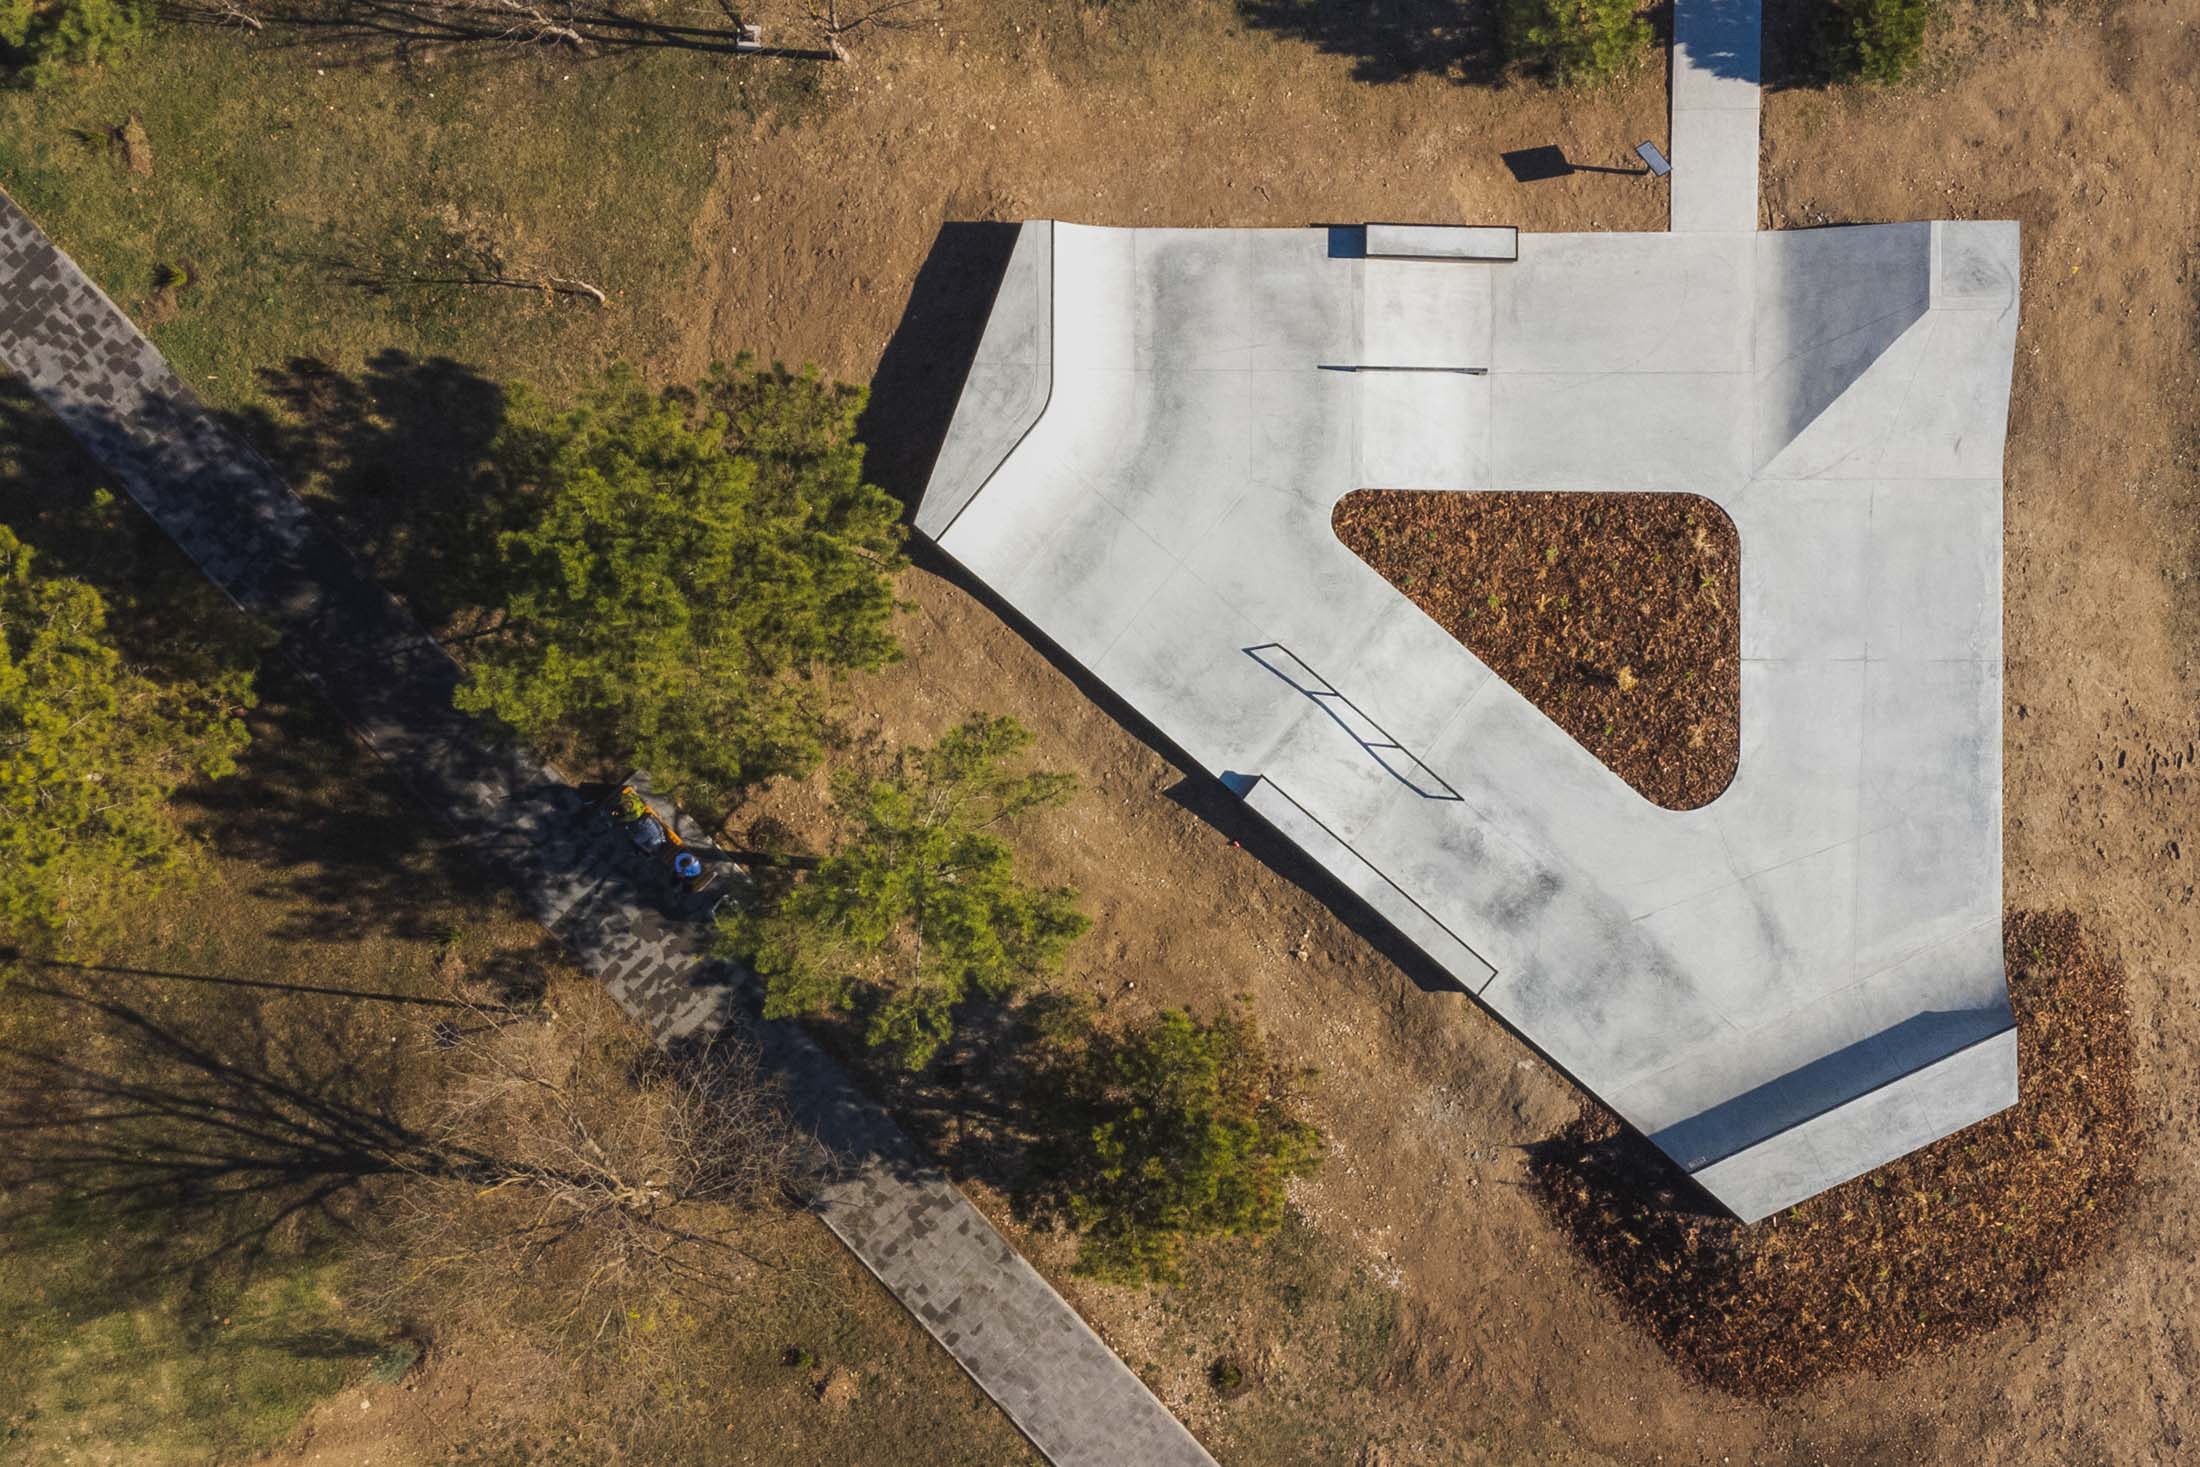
[
  {"x": 1717, "y": 49},
  {"x": 1063, "y": 1387}
]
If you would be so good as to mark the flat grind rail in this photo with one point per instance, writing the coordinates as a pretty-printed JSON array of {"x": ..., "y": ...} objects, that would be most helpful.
[{"x": 391, "y": 683}]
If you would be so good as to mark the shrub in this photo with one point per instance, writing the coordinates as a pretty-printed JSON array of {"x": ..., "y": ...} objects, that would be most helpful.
[
  {"x": 1169, "y": 1131},
  {"x": 39, "y": 37},
  {"x": 1872, "y": 40},
  {"x": 1575, "y": 42},
  {"x": 920, "y": 909},
  {"x": 394, "y": 1363}
]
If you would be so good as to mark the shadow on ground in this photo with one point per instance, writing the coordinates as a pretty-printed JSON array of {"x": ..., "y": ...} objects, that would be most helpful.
[
  {"x": 340, "y": 866},
  {"x": 197, "y": 1130},
  {"x": 922, "y": 370},
  {"x": 1393, "y": 40},
  {"x": 397, "y": 455},
  {"x": 1463, "y": 40}
]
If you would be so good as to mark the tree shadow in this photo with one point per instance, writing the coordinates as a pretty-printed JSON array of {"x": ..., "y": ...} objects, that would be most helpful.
[
  {"x": 64, "y": 967},
  {"x": 1462, "y": 40},
  {"x": 199, "y": 1135},
  {"x": 921, "y": 373},
  {"x": 399, "y": 451},
  {"x": 1797, "y": 54},
  {"x": 1393, "y": 40},
  {"x": 162, "y": 616},
  {"x": 51, "y": 472},
  {"x": 1598, "y": 1156},
  {"x": 374, "y": 31},
  {"x": 333, "y": 838},
  {"x": 397, "y": 455}
]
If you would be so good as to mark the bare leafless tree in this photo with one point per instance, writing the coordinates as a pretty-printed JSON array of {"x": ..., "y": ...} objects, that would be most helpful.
[
  {"x": 527, "y": 22},
  {"x": 617, "y": 1170},
  {"x": 838, "y": 22}
]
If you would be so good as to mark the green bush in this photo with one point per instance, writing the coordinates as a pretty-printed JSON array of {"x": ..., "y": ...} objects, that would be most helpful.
[
  {"x": 394, "y": 1363},
  {"x": 1170, "y": 1131},
  {"x": 1576, "y": 42},
  {"x": 1872, "y": 40},
  {"x": 920, "y": 908},
  {"x": 39, "y": 37}
]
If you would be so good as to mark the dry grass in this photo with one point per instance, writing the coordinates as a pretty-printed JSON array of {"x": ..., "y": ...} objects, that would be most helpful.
[{"x": 1968, "y": 1233}]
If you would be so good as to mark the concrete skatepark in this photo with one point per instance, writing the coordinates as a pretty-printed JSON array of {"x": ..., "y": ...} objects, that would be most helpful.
[{"x": 1783, "y": 989}]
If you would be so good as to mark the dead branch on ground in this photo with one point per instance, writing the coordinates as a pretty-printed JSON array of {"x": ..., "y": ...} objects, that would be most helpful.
[{"x": 606, "y": 1165}]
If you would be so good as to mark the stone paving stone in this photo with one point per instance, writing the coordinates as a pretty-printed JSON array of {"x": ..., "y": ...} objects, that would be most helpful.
[{"x": 236, "y": 519}]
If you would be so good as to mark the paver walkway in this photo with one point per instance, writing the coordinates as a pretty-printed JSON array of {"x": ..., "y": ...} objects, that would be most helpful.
[{"x": 233, "y": 515}]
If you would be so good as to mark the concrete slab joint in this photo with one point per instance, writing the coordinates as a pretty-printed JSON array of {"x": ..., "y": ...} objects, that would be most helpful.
[{"x": 1783, "y": 989}]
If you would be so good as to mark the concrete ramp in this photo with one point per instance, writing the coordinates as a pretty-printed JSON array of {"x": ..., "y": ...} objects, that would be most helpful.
[
  {"x": 1009, "y": 379},
  {"x": 1931, "y": 402},
  {"x": 1830, "y": 304}
]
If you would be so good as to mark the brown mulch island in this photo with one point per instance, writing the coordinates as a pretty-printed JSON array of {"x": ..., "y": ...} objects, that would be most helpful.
[
  {"x": 1616, "y": 614},
  {"x": 1957, "y": 1238}
]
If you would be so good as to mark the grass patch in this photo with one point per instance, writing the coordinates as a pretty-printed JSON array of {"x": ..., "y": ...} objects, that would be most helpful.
[
  {"x": 313, "y": 197},
  {"x": 1299, "y": 1344},
  {"x": 1968, "y": 1233},
  {"x": 184, "y": 1370}
]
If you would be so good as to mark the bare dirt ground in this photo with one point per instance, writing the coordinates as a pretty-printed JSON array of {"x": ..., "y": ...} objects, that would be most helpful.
[{"x": 2078, "y": 122}]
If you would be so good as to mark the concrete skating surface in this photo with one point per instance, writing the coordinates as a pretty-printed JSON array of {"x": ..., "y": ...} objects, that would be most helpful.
[{"x": 1784, "y": 988}]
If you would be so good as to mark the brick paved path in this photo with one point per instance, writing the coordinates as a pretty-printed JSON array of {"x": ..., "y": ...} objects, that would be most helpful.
[{"x": 234, "y": 516}]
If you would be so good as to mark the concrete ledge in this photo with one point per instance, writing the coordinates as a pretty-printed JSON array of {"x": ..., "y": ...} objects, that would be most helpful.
[
  {"x": 1443, "y": 242},
  {"x": 1010, "y": 382},
  {"x": 1370, "y": 885},
  {"x": 1851, "y": 1139}
]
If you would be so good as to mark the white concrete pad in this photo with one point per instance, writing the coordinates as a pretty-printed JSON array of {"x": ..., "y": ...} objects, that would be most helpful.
[
  {"x": 1425, "y": 313},
  {"x": 1424, "y": 430},
  {"x": 1631, "y": 304},
  {"x": 1680, "y": 432},
  {"x": 1756, "y": 984}
]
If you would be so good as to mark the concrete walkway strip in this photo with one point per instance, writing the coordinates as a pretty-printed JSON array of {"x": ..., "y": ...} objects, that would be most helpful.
[
  {"x": 1717, "y": 50},
  {"x": 232, "y": 514}
]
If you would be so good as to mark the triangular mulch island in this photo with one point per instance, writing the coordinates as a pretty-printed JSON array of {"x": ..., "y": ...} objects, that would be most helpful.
[{"x": 1615, "y": 614}]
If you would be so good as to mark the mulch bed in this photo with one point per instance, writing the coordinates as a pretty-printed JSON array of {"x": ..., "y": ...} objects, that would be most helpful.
[
  {"x": 1974, "y": 1230},
  {"x": 1616, "y": 614}
]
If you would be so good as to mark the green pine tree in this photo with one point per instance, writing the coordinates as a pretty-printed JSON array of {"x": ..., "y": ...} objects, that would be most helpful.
[
  {"x": 1873, "y": 40},
  {"x": 920, "y": 908},
  {"x": 680, "y": 572},
  {"x": 1169, "y": 1131},
  {"x": 91, "y": 749},
  {"x": 1576, "y": 42},
  {"x": 43, "y": 36}
]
